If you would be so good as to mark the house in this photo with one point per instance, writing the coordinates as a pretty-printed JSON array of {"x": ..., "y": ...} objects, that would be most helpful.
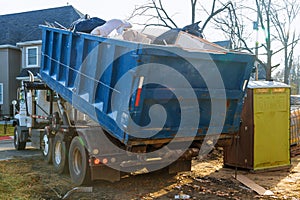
[
  {"x": 10, "y": 63},
  {"x": 20, "y": 47},
  {"x": 227, "y": 44}
]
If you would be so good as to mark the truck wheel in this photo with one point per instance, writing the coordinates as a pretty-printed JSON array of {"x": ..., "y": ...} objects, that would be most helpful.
[
  {"x": 59, "y": 154},
  {"x": 47, "y": 146},
  {"x": 78, "y": 163},
  {"x": 17, "y": 143}
]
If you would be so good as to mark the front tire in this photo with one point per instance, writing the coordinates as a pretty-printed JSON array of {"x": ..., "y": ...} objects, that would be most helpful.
[
  {"x": 78, "y": 163},
  {"x": 59, "y": 154},
  {"x": 47, "y": 146},
  {"x": 17, "y": 143}
]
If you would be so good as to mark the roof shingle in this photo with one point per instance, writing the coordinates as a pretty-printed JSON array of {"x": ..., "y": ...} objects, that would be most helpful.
[{"x": 21, "y": 27}]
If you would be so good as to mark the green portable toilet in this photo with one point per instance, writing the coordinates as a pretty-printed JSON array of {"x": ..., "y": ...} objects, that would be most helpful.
[{"x": 264, "y": 137}]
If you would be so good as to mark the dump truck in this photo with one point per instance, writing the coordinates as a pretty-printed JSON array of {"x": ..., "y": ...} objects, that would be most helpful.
[{"x": 112, "y": 107}]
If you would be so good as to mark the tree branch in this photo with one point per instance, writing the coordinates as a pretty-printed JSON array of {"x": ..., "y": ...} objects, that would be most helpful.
[{"x": 214, "y": 13}]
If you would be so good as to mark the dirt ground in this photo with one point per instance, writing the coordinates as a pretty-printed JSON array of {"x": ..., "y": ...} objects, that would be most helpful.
[{"x": 32, "y": 178}]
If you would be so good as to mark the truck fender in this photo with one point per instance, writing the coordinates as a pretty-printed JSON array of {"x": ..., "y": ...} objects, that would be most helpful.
[
  {"x": 95, "y": 140},
  {"x": 83, "y": 140},
  {"x": 16, "y": 120}
]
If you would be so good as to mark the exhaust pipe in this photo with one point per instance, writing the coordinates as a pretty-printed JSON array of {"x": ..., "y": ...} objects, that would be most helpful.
[{"x": 31, "y": 76}]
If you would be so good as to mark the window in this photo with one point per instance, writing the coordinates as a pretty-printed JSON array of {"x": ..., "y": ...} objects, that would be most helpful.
[
  {"x": 31, "y": 56},
  {"x": 1, "y": 93}
]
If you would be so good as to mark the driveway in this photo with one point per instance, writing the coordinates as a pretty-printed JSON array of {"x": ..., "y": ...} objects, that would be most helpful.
[{"x": 7, "y": 150}]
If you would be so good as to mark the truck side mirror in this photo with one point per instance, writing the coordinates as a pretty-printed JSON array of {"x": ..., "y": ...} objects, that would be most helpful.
[{"x": 14, "y": 102}]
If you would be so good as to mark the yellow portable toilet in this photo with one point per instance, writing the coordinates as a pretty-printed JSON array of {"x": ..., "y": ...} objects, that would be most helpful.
[{"x": 264, "y": 137}]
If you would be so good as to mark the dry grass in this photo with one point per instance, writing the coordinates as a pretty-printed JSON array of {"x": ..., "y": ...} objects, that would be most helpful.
[
  {"x": 9, "y": 130},
  {"x": 30, "y": 179},
  {"x": 14, "y": 184}
]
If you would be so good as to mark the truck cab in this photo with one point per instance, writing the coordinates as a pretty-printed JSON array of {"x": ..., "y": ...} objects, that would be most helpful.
[{"x": 34, "y": 105}]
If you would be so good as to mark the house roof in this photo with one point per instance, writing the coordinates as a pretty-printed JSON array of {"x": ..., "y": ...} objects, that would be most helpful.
[
  {"x": 225, "y": 44},
  {"x": 28, "y": 43},
  {"x": 22, "y": 27},
  {"x": 8, "y": 46}
]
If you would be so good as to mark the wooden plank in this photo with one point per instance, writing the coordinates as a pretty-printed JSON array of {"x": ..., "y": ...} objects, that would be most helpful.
[
  {"x": 252, "y": 185},
  {"x": 295, "y": 150},
  {"x": 193, "y": 43}
]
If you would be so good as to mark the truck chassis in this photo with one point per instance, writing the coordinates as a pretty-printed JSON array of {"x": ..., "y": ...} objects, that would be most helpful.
[{"x": 81, "y": 149}]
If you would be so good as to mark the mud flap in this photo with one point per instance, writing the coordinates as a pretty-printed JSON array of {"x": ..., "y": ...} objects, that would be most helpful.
[
  {"x": 36, "y": 135},
  {"x": 105, "y": 173}
]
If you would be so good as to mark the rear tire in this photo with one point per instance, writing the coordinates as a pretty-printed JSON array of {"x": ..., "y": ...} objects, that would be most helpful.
[
  {"x": 78, "y": 163},
  {"x": 17, "y": 143},
  {"x": 47, "y": 146},
  {"x": 59, "y": 154}
]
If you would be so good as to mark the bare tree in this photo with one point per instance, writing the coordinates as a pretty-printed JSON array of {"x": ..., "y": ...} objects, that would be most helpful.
[
  {"x": 224, "y": 15},
  {"x": 295, "y": 76},
  {"x": 232, "y": 25},
  {"x": 215, "y": 11},
  {"x": 193, "y": 4},
  {"x": 282, "y": 17},
  {"x": 155, "y": 10},
  {"x": 264, "y": 13},
  {"x": 273, "y": 18}
]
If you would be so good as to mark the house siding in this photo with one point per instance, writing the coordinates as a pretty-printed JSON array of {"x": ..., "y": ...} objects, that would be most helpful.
[
  {"x": 4, "y": 78},
  {"x": 14, "y": 70},
  {"x": 10, "y": 63}
]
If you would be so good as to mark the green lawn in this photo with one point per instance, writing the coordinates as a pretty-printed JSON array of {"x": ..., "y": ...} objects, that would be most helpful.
[{"x": 9, "y": 130}]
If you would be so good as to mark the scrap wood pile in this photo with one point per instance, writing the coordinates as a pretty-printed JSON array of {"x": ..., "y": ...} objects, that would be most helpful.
[{"x": 295, "y": 131}]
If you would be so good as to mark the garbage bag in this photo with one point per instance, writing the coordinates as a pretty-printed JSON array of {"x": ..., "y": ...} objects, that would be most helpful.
[
  {"x": 86, "y": 24},
  {"x": 110, "y": 25},
  {"x": 193, "y": 29}
]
